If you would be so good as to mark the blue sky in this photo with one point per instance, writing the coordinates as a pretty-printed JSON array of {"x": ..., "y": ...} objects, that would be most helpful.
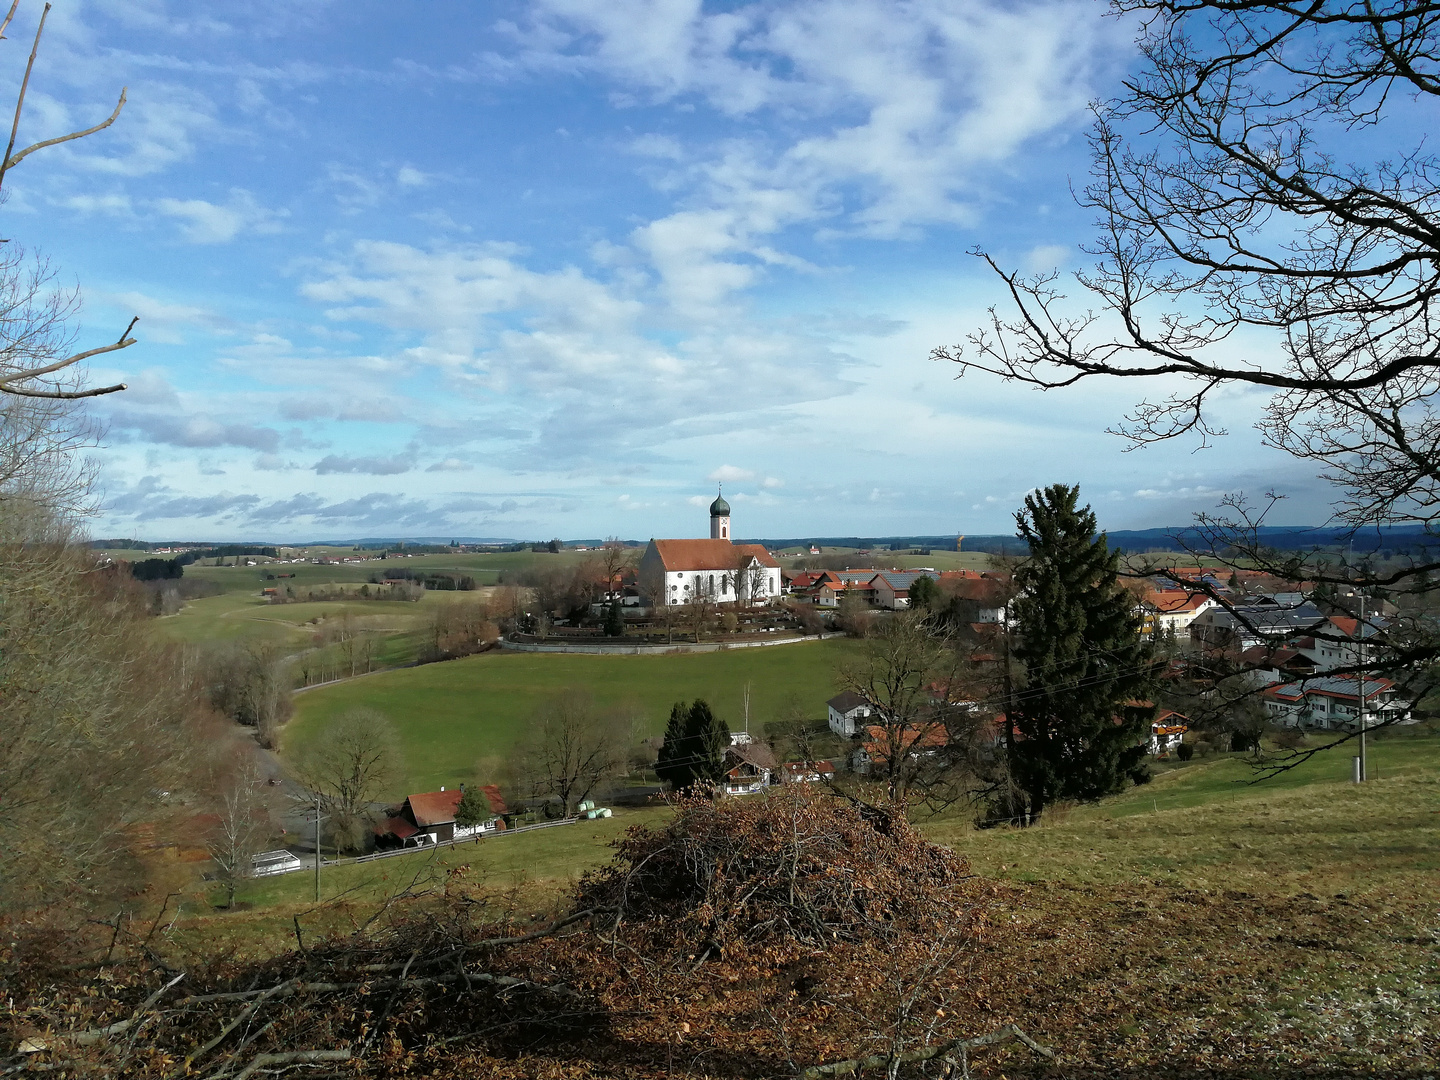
[{"x": 558, "y": 267}]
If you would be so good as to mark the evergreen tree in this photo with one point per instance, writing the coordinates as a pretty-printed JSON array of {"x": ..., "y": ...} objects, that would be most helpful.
[
  {"x": 671, "y": 765},
  {"x": 694, "y": 747},
  {"x": 709, "y": 736},
  {"x": 1073, "y": 734},
  {"x": 925, "y": 593},
  {"x": 472, "y": 809},
  {"x": 615, "y": 620}
]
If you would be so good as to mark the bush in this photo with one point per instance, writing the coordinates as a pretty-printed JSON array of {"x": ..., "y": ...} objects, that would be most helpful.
[
  {"x": 1184, "y": 751},
  {"x": 1289, "y": 738}
]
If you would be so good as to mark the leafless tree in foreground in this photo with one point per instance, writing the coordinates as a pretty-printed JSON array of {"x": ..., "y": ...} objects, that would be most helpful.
[
  {"x": 1228, "y": 213},
  {"x": 35, "y": 345}
]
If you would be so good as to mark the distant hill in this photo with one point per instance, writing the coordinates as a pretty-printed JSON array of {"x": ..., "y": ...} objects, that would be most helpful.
[{"x": 1287, "y": 538}]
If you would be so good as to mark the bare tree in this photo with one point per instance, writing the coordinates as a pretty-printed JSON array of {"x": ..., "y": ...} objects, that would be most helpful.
[
  {"x": 351, "y": 767},
  {"x": 1228, "y": 213},
  {"x": 98, "y": 720},
  {"x": 36, "y": 349},
  {"x": 242, "y": 830},
  {"x": 908, "y": 675},
  {"x": 573, "y": 748},
  {"x": 614, "y": 561},
  {"x": 657, "y": 596}
]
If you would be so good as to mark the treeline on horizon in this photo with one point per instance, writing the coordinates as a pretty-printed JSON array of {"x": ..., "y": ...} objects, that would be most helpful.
[{"x": 1390, "y": 539}]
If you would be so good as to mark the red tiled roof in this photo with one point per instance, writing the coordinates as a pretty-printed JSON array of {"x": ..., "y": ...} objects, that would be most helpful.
[
  {"x": 494, "y": 798},
  {"x": 1175, "y": 601},
  {"x": 434, "y": 807},
  {"x": 877, "y": 740},
  {"x": 708, "y": 554},
  {"x": 397, "y": 827}
]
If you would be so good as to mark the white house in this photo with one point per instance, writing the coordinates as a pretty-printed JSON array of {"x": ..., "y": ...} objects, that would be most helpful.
[
  {"x": 715, "y": 570},
  {"x": 1331, "y": 703},
  {"x": 1167, "y": 731},
  {"x": 848, "y": 711}
]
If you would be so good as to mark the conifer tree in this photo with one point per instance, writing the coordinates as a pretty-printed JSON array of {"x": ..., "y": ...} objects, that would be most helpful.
[
  {"x": 694, "y": 747},
  {"x": 1073, "y": 735},
  {"x": 670, "y": 765},
  {"x": 615, "y": 620}
]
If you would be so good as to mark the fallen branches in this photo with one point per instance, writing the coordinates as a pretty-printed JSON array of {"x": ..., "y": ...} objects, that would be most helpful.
[
  {"x": 876, "y": 1061},
  {"x": 292, "y": 1057}
]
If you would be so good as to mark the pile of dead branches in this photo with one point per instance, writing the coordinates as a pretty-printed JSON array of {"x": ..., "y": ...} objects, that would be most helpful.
[
  {"x": 745, "y": 938},
  {"x": 795, "y": 867},
  {"x": 438, "y": 981}
]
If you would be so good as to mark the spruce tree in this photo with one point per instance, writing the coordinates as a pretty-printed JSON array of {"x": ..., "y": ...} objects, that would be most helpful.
[
  {"x": 672, "y": 766},
  {"x": 615, "y": 620},
  {"x": 709, "y": 736},
  {"x": 1076, "y": 729},
  {"x": 694, "y": 747}
]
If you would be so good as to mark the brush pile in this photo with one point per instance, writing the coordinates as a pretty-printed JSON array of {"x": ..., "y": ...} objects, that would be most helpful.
[{"x": 744, "y": 938}]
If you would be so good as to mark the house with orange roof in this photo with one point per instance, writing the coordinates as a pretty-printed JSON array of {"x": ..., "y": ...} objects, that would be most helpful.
[
  {"x": 1171, "y": 610},
  {"x": 914, "y": 741}
]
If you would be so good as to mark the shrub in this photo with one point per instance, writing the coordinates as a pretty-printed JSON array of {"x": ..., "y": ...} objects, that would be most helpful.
[{"x": 1184, "y": 751}]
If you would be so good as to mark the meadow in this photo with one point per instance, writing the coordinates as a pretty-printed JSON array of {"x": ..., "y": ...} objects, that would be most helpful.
[
  {"x": 457, "y": 721},
  {"x": 1203, "y": 828},
  {"x": 240, "y": 613}
]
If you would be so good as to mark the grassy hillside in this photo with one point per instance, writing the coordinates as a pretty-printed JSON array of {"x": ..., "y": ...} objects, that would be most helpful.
[
  {"x": 1210, "y": 826},
  {"x": 1315, "y": 835},
  {"x": 452, "y": 717}
]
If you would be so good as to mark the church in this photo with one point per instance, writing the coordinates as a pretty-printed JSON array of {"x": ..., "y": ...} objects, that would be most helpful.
[{"x": 714, "y": 570}]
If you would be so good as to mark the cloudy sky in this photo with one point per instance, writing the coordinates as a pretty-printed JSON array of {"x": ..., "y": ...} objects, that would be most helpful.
[{"x": 557, "y": 267}]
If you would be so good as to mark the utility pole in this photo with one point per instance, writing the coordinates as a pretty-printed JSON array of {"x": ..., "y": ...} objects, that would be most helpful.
[
  {"x": 317, "y": 849},
  {"x": 1360, "y": 629}
]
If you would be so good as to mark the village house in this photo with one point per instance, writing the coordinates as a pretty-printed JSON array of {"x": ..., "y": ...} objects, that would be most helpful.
[
  {"x": 846, "y": 710},
  {"x": 892, "y": 590},
  {"x": 715, "y": 570},
  {"x": 1167, "y": 731},
  {"x": 429, "y": 818},
  {"x": 749, "y": 767},
  {"x": 1334, "y": 703},
  {"x": 806, "y": 772},
  {"x": 980, "y": 597},
  {"x": 913, "y": 741},
  {"x": 1171, "y": 611}
]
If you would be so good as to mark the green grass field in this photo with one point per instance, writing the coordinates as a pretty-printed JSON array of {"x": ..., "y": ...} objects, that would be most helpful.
[
  {"x": 484, "y": 568},
  {"x": 1315, "y": 834},
  {"x": 451, "y": 717}
]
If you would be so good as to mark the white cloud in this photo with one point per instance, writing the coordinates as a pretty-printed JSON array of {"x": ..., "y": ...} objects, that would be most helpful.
[
  {"x": 560, "y": 355},
  {"x": 409, "y": 176},
  {"x": 1048, "y": 257},
  {"x": 205, "y": 222},
  {"x": 891, "y": 106},
  {"x": 730, "y": 474},
  {"x": 772, "y": 482},
  {"x": 114, "y": 204}
]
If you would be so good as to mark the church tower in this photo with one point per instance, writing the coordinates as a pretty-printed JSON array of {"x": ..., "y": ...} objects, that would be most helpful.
[{"x": 719, "y": 518}]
